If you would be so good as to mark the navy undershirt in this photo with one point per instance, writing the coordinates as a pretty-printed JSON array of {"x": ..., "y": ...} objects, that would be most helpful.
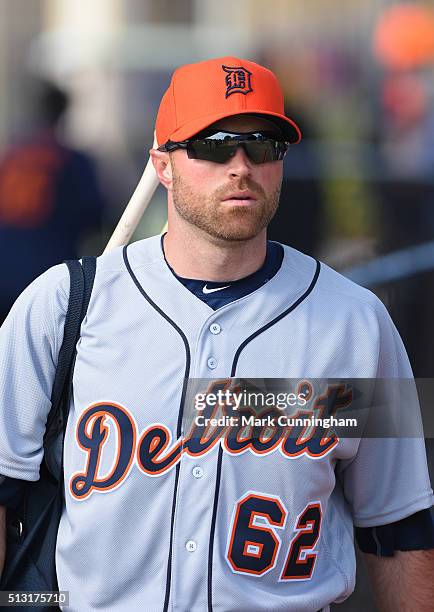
[{"x": 218, "y": 294}]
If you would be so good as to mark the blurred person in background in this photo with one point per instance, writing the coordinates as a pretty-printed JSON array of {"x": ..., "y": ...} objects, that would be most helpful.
[
  {"x": 406, "y": 147},
  {"x": 49, "y": 197}
]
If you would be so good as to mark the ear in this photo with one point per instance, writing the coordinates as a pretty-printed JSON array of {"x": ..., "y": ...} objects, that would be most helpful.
[{"x": 163, "y": 167}]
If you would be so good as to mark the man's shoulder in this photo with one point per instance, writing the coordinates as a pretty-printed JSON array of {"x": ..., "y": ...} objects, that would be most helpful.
[
  {"x": 334, "y": 287},
  {"x": 55, "y": 281},
  {"x": 38, "y": 313},
  {"x": 139, "y": 253},
  {"x": 53, "y": 284}
]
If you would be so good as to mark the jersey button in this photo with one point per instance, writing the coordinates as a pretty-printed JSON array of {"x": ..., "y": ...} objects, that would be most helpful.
[
  {"x": 197, "y": 471},
  {"x": 191, "y": 545},
  {"x": 215, "y": 328},
  {"x": 212, "y": 363}
]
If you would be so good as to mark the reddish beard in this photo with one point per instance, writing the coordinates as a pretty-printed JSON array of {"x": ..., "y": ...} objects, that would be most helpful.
[{"x": 229, "y": 223}]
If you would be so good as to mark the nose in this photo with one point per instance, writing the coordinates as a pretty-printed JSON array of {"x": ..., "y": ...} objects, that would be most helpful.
[{"x": 239, "y": 165}]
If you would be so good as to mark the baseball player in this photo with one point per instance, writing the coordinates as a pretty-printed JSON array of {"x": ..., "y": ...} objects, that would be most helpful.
[{"x": 155, "y": 519}]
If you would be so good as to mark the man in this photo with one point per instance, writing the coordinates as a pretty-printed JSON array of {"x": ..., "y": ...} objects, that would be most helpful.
[
  {"x": 49, "y": 197},
  {"x": 156, "y": 518}
]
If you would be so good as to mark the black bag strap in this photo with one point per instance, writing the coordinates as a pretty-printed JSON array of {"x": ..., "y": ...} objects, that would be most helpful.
[
  {"x": 81, "y": 283},
  {"x": 41, "y": 505}
]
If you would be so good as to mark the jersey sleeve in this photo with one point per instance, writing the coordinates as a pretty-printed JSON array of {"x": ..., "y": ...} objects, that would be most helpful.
[
  {"x": 30, "y": 339},
  {"x": 388, "y": 480}
]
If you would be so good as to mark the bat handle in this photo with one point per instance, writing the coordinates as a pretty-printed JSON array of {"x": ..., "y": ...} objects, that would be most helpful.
[{"x": 135, "y": 208}]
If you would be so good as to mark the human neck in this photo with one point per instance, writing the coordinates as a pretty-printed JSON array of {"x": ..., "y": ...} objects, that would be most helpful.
[{"x": 199, "y": 257}]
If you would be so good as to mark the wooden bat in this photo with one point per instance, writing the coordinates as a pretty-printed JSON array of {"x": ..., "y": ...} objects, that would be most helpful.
[{"x": 135, "y": 208}]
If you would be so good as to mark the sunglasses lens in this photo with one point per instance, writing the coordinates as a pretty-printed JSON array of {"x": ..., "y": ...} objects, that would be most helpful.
[
  {"x": 211, "y": 150},
  {"x": 220, "y": 150},
  {"x": 265, "y": 151}
]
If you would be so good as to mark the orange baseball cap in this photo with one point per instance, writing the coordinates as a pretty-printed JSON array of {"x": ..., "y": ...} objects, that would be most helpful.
[{"x": 200, "y": 94}]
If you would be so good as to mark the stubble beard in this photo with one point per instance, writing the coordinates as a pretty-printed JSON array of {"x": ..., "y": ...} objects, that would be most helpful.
[{"x": 231, "y": 224}]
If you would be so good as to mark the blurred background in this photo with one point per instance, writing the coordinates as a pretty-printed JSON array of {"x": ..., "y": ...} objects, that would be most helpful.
[{"x": 80, "y": 84}]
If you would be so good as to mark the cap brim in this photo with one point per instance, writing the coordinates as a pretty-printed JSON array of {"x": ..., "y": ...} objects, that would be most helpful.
[{"x": 290, "y": 129}]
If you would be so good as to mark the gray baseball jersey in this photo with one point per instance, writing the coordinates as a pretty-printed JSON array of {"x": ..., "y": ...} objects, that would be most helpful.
[{"x": 154, "y": 522}]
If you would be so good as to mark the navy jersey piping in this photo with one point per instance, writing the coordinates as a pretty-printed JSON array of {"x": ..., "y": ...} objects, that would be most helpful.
[
  {"x": 220, "y": 455},
  {"x": 180, "y": 413},
  {"x": 276, "y": 319}
]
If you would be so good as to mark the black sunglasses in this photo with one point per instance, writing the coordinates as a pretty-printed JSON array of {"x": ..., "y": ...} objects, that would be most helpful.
[{"x": 219, "y": 147}]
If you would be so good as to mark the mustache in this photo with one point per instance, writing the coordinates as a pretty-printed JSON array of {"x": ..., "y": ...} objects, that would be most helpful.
[{"x": 241, "y": 185}]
